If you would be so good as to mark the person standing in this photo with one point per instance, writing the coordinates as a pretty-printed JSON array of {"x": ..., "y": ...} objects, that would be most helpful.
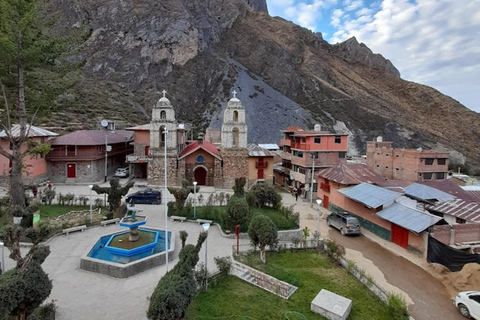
[{"x": 296, "y": 194}]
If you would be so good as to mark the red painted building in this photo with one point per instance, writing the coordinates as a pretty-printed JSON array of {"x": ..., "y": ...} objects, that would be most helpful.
[
  {"x": 80, "y": 156},
  {"x": 305, "y": 150}
]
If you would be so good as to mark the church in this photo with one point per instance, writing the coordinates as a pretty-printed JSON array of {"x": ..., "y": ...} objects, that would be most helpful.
[{"x": 209, "y": 162}]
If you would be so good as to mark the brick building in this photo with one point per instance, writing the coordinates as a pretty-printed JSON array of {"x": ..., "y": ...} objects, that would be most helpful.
[
  {"x": 35, "y": 168},
  {"x": 80, "y": 156},
  {"x": 406, "y": 164},
  {"x": 213, "y": 164},
  {"x": 300, "y": 148},
  {"x": 260, "y": 164}
]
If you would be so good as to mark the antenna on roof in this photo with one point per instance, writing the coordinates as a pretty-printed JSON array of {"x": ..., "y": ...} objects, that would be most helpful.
[{"x": 107, "y": 124}]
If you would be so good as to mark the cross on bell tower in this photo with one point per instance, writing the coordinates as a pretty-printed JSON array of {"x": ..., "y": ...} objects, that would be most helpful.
[{"x": 234, "y": 93}]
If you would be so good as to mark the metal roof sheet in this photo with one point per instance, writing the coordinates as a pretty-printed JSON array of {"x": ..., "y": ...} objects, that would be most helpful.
[
  {"x": 92, "y": 138},
  {"x": 34, "y": 132},
  {"x": 348, "y": 174},
  {"x": 424, "y": 192},
  {"x": 408, "y": 218},
  {"x": 370, "y": 195},
  {"x": 257, "y": 151},
  {"x": 269, "y": 146},
  {"x": 460, "y": 208}
]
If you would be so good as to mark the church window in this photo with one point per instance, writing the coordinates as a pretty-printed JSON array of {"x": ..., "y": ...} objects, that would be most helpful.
[
  {"x": 200, "y": 159},
  {"x": 235, "y": 137},
  {"x": 162, "y": 136},
  {"x": 163, "y": 114},
  {"x": 235, "y": 116}
]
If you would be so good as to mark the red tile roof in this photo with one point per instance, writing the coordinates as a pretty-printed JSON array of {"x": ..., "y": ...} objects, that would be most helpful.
[
  {"x": 92, "y": 138},
  {"x": 349, "y": 174},
  {"x": 194, "y": 146}
]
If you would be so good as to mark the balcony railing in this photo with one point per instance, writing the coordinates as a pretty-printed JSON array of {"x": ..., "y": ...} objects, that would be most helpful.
[{"x": 261, "y": 164}]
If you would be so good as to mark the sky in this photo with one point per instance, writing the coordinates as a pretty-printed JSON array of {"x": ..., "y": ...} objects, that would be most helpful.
[{"x": 432, "y": 42}]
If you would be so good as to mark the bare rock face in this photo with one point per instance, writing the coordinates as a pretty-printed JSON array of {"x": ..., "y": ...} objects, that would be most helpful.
[
  {"x": 199, "y": 51},
  {"x": 353, "y": 51}
]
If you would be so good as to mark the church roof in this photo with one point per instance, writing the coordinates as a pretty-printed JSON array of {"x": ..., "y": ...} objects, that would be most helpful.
[{"x": 194, "y": 146}]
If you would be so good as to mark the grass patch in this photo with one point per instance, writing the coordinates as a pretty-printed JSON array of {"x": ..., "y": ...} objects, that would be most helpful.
[
  {"x": 121, "y": 241},
  {"x": 55, "y": 210},
  {"x": 235, "y": 298},
  {"x": 216, "y": 213}
]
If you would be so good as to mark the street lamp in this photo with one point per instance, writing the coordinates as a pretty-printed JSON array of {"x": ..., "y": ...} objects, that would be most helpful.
[
  {"x": 90, "y": 187},
  {"x": 3, "y": 259},
  {"x": 194, "y": 199},
  {"x": 319, "y": 202},
  {"x": 314, "y": 156},
  {"x": 165, "y": 132},
  {"x": 205, "y": 228}
]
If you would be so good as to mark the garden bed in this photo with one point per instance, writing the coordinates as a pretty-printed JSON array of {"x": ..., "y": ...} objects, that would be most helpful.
[{"x": 309, "y": 270}]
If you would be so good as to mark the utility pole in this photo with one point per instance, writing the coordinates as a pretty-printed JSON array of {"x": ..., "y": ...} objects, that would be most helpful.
[
  {"x": 106, "y": 156},
  {"x": 311, "y": 185}
]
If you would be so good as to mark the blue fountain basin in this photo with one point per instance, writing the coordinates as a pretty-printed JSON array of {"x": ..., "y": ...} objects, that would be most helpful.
[{"x": 134, "y": 251}]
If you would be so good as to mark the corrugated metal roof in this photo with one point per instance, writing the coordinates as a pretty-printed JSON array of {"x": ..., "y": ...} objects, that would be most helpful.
[
  {"x": 460, "y": 208},
  {"x": 257, "y": 151},
  {"x": 348, "y": 174},
  {"x": 449, "y": 187},
  {"x": 408, "y": 218},
  {"x": 34, "y": 132},
  {"x": 92, "y": 138},
  {"x": 426, "y": 193},
  {"x": 370, "y": 195},
  {"x": 269, "y": 146}
]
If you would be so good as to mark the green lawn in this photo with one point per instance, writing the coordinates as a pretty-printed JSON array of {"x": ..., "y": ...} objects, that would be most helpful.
[
  {"x": 55, "y": 210},
  {"x": 233, "y": 298}
]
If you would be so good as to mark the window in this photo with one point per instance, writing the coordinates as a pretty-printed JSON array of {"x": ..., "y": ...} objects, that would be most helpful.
[
  {"x": 441, "y": 161},
  {"x": 341, "y": 155},
  {"x": 200, "y": 159},
  {"x": 429, "y": 161},
  {"x": 314, "y": 155},
  {"x": 396, "y": 155},
  {"x": 460, "y": 220},
  {"x": 378, "y": 165},
  {"x": 163, "y": 114},
  {"x": 295, "y": 168},
  {"x": 386, "y": 167},
  {"x": 397, "y": 169},
  {"x": 338, "y": 139},
  {"x": 387, "y": 154},
  {"x": 235, "y": 116},
  {"x": 235, "y": 137},
  {"x": 440, "y": 175},
  {"x": 317, "y": 140},
  {"x": 427, "y": 176}
]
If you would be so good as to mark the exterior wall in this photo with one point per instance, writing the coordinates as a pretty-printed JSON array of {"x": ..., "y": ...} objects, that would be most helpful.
[
  {"x": 235, "y": 165},
  {"x": 156, "y": 169},
  {"x": 401, "y": 164},
  {"x": 191, "y": 164},
  {"x": 457, "y": 233},
  {"x": 253, "y": 170},
  {"x": 230, "y": 122},
  {"x": 142, "y": 137},
  {"x": 416, "y": 242},
  {"x": 35, "y": 167},
  {"x": 86, "y": 171}
]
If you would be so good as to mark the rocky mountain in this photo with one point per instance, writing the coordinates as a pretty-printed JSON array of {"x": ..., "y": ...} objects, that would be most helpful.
[{"x": 126, "y": 52}]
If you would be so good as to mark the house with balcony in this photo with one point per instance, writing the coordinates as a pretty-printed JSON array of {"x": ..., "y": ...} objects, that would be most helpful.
[
  {"x": 260, "y": 164},
  {"x": 406, "y": 164},
  {"x": 88, "y": 155},
  {"x": 306, "y": 152},
  {"x": 35, "y": 167}
]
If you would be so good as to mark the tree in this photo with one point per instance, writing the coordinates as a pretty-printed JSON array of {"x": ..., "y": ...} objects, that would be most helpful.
[
  {"x": 239, "y": 187},
  {"x": 236, "y": 213},
  {"x": 183, "y": 237},
  {"x": 266, "y": 195},
  {"x": 23, "y": 46},
  {"x": 181, "y": 194},
  {"x": 262, "y": 232},
  {"x": 25, "y": 287},
  {"x": 176, "y": 290},
  {"x": 115, "y": 193}
]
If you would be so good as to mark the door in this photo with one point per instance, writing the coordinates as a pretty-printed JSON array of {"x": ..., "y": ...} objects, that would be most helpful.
[
  {"x": 201, "y": 176},
  {"x": 400, "y": 236},
  {"x": 71, "y": 170},
  {"x": 259, "y": 173},
  {"x": 325, "y": 201},
  {"x": 474, "y": 306}
]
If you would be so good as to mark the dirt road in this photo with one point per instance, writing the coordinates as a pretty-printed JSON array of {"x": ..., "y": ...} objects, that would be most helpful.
[{"x": 431, "y": 301}]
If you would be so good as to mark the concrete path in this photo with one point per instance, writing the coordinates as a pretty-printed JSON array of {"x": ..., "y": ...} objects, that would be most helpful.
[{"x": 392, "y": 267}]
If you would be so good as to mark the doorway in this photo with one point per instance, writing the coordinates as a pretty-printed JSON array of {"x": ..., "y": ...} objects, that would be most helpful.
[
  {"x": 71, "y": 169},
  {"x": 400, "y": 236},
  {"x": 201, "y": 176}
]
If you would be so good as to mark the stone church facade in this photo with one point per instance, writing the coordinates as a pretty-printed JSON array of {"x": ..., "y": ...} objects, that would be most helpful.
[{"x": 200, "y": 160}]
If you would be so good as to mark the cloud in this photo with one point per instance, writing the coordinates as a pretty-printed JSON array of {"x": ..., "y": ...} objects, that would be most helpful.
[{"x": 430, "y": 42}]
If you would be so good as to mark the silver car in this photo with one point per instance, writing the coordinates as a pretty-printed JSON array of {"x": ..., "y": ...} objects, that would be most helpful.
[{"x": 345, "y": 222}]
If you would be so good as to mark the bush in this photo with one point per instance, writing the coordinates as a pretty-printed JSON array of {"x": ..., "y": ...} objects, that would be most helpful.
[
  {"x": 45, "y": 312},
  {"x": 223, "y": 265},
  {"x": 397, "y": 307},
  {"x": 183, "y": 237},
  {"x": 201, "y": 276},
  {"x": 236, "y": 213},
  {"x": 171, "y": 208},
  {"x": 266, "y": 195},
  {"x": 334, "y": 250}
]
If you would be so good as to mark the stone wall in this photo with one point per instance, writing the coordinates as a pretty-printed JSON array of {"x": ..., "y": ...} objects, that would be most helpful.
[
  {"x": 156, "y": 171},
  {"x": 86, "y": 171},
  {"x": 235, "y": 165}
]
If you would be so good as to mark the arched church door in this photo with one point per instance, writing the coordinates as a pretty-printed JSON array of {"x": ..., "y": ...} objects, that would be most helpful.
[{"x": 201, "y": 176}]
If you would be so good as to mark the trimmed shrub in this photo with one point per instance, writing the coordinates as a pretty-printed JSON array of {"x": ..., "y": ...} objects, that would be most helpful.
[
  {"x": 236, "y": 213},
  {"x": 45, "y": 312}
]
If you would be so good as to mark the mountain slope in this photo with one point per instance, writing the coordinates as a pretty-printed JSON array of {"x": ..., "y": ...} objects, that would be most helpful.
[{"x": 199, "y": 51}]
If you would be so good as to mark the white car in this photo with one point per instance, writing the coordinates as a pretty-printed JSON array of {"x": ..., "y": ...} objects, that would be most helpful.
[
  {"x": 121, "y": 173},
  {"x": 468, "y": 303}
]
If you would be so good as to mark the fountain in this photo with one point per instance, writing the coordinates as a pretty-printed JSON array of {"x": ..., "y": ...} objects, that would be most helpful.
[{"x": 128, "y": 252}]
